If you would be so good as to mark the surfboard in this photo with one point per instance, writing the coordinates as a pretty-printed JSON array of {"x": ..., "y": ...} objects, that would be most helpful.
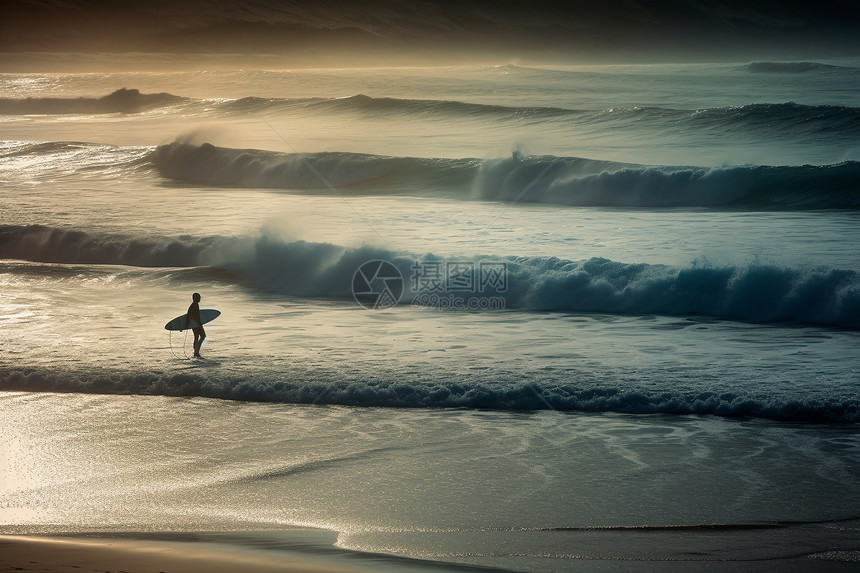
[{"x": 181, "y": 322}]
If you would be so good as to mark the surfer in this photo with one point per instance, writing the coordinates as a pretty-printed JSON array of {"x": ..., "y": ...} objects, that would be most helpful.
[{"x": 194, "y": 319}]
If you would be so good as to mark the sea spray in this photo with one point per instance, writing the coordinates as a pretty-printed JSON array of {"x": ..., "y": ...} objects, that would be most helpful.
[
  {"x": 754, "y": 292},
  {"x": 540, "y": 179}
]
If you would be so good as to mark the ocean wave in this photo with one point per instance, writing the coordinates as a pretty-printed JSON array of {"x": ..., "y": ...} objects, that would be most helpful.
[
  {"x": 787, "y": 119},
  {"x": 834, "y": 121},
  {"x": 574, "y": 181},
  {"x": 121, "y": 101},
  {"x": 759, "y": 293},
  {"x": 39, "y": 243},
  {"x": 779, "y": 121},
  {"x": 541, "y": 179},
  {"x": 792, "y": 67},
  {"x": 392, "y": 106},
  {"x": 268, "y": 169},
  {"x": 26, "y": 160},
  {"x": 390, "y": 389}
]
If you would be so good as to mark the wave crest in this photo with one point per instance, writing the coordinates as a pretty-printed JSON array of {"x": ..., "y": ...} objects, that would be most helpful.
[
  {"x": 573, "y": 181},
  {"x": 382, "y": 106},
  {"x": 389, "y": 389},
  {"x": 783, "y": 119},
  {"x": 557, "y": 180},
  {"x": 751, "y": 292},
  {"x": 43, "y": 244},
  {"x": 268, "y": 169},
  {"x": 121, "y": 101},
  {"x": 775, "y": 119},
  {"x": 790, "y": 67}
]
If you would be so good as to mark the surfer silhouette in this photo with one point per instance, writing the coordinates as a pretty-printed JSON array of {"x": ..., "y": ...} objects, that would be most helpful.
[{"x": 194, "y": 319}]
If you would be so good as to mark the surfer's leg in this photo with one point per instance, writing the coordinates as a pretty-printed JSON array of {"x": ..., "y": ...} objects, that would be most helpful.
[{"x": 199, "y": 336}]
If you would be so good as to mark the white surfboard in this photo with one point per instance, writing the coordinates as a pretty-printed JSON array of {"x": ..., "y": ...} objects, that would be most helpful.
[{"x": 181, "y": 322}]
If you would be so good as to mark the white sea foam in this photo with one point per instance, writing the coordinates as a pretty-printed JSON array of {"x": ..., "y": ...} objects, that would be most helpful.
[
  {"x": 760, "y": 292},
  {"x": 678, "y": 247},
  {"x": 559, "y": 180}
]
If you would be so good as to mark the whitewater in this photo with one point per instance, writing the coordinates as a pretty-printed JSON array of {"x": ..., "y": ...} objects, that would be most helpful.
[{"x": 525, "y": 318}]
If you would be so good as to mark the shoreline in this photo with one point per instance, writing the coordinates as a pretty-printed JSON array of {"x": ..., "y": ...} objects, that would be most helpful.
[{"x": 294, "y": 551}]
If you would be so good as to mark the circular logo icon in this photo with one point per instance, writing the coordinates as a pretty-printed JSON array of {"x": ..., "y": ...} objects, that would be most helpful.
[{"x": 377, "y": 285}]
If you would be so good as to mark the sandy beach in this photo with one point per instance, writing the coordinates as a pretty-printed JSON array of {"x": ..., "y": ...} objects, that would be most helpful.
[
  {"x": 485, "y": 286},
  {"x": 21, "y": 553},
  {"x": 285, "y": 551}
]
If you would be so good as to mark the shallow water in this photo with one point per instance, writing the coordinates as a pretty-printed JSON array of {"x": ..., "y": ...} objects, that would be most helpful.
[
  {"x": 663, "y": 372},
  {"x": 530, "y": 491}
]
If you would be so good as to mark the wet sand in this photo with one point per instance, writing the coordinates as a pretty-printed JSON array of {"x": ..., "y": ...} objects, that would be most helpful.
[{"x": 64, "y": 554}]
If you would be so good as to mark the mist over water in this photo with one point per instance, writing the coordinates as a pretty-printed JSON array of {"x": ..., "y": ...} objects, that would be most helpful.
[
  {"x": 599, "y": 218},
  {"x": 621, "y": 303}
]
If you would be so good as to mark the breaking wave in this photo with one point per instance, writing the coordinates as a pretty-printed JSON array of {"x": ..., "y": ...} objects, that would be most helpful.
[
  {"x": 497, "y": 391},
  {"x": 542, "y": 179},
  {"x": 268, "y": 169},
  {"x": 763, "y": 293},
  {"x": 574, "y": 181}
]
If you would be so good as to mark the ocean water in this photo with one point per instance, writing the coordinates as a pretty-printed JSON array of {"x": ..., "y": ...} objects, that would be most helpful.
[{"x": 538, "y": 319}]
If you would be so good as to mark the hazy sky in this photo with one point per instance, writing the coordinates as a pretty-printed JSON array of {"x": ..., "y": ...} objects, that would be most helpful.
[{"x": 413, "y": 29}]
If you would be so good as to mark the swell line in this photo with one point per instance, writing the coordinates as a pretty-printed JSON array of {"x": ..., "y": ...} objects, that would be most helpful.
[
  {"x": 764, "y": 293},
  {"x": 571, "y": 181}
]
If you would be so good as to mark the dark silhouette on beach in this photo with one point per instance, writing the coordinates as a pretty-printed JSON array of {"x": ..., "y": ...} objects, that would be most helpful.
[{"x": 194, "y": 319}]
